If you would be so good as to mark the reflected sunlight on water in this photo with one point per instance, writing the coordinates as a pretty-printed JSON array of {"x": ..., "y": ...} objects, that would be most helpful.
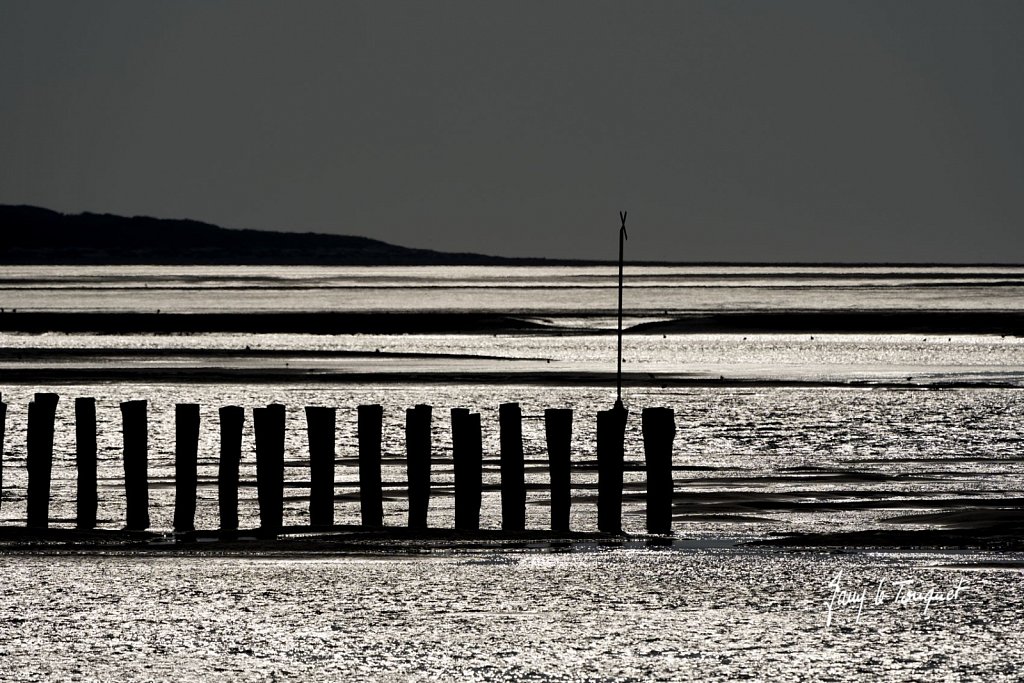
[
  {"x": 511, "y": 288},
  {"x": 925, "y": 443},
  {"x": 750, "y": 460},
  {"x": 612, "y": 615}
]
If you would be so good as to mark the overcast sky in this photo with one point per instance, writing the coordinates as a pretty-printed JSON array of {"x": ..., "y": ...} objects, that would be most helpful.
[{"x": 785, "y": 131}]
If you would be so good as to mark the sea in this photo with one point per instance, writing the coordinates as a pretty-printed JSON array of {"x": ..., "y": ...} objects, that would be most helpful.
[{"x": 777, "y": 433}]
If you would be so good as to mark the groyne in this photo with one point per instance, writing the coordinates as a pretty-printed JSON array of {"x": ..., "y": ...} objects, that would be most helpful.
[{"x": 269, "y": 436}]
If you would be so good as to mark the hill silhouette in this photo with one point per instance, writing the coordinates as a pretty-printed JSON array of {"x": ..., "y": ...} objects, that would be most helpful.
[{"x": 36, "y": 236}]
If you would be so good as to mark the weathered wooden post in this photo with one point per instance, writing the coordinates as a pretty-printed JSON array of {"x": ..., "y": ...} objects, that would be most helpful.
[
  {"x": 85, "y": 462},
  {"x": 320, "y": 432},
  {"x": 136, "y": 464},
  {"x": 268, "y": 425},
  {"x": 417, "y": 450},
  {"x": 371, "y": 495},
  {"x": 3, "y": 428},
  {"x": 232, "y": 418},
  {"x": 186, "y": 455},
  {"x": 659, "y": 428},
  {"x": 558, "y": 432},
  {"x": 467, "y": 457},
  {"x": 611, "y": 435},
  {"x": 513, "y": 477},
  {"x": 39, "y": 457}
]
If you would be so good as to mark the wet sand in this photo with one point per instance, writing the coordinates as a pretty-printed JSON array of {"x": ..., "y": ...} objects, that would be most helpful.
[
  {"x": 293, "y": 540},
  {"x": 556, "y": 322},
  {"x": 964, "y": 521},
  {"x": 961, "y": 523},
  {"x": 996, "y": 535},
  {"x": 263, "y": 323},
  {"x": 844, "y": 322}
]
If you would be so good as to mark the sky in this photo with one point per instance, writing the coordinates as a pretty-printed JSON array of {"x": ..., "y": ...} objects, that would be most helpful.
[{"x": 729, "y": 130}]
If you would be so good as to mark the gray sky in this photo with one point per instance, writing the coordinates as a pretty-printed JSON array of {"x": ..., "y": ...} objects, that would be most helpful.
[{"x": 793, "y": 131}]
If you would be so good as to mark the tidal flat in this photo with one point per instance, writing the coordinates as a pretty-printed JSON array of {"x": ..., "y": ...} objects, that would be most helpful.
[{"x": 828, "y": 476}]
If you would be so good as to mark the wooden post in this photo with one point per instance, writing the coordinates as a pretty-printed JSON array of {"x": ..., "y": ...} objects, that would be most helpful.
[
  {"x": 513, "y": 478},
  {"x": 371, "y": 495},
  {"x": 611, "y": 435},
  {"x": 39, "y": 457},
  {"x": 136, "y": 464},
  {"x": 186, "y": 455},
  {"x": 85, "y": 461},
  {"x": 618, "y": 372},
  {"x": 417, "y": 450},
  {"x": 467, "y": 455},
  {"x": 558, "y": 431},
  {"x": 3, "y": 428},
  {"x": 475, "y": 449},
  {"x": 320, "y": 432},
  {"x": 232, "y": 418},
  {"x": 659, "y": 428},
  {"x": 268, "y": 424}
]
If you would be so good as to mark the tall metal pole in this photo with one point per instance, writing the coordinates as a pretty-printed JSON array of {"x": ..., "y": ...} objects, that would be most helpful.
[{"x": 618, "y": 374}]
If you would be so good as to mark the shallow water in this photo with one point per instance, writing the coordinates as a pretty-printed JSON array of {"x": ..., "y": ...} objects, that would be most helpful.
[
  {"x": 589, "y": 289},
  {"x": 818, "y": 358}
]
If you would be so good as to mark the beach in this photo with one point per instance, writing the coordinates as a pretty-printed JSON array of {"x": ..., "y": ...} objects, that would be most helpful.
[{"x": 854, "y": 422}]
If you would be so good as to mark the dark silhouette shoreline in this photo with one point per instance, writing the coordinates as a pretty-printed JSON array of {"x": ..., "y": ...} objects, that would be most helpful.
[{"x": 31, "y": 235}]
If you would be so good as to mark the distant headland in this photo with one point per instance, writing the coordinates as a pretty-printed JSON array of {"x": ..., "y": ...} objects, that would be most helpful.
[{"x": 32, "y": 235}]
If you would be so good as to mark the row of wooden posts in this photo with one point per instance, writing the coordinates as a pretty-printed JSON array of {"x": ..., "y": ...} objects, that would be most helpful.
[{"x": 658, "y": 425}]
